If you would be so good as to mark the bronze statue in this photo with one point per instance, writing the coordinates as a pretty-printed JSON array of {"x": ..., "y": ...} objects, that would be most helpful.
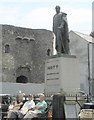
[{"x": 60, "y": 29}]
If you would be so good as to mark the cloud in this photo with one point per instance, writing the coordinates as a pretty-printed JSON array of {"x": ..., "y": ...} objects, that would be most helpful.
[
  {"x": 78, "y": 19},
  {"x": 42, "y": 18},
  {"x": 46, "y": 1},
  {"x": 39, "y": 18},
  {"x": 8, "y": 15}
]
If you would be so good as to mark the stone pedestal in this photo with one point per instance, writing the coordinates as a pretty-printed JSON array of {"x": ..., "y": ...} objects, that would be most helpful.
[{"x": 62, "y": 74}]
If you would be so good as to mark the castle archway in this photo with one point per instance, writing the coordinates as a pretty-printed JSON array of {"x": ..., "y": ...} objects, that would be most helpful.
[
  {"x": 23, "y": 75},
  {"x": 22, "y": 79}
]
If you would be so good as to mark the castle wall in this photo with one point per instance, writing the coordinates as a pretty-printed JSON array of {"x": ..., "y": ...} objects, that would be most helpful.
[{"x": 24, "y": 52}]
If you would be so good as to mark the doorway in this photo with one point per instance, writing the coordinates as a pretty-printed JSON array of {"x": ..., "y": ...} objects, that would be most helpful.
[{"x": 22, "y": 79}]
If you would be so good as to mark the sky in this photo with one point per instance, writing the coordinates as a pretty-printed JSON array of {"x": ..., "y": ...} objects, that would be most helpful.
[{"x": 38, "y": 14}]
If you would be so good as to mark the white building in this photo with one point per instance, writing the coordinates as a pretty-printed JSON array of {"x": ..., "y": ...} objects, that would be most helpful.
[{"x": 82, "y": 46}]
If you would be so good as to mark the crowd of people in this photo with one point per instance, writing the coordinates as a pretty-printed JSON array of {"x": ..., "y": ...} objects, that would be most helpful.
[{"x": 26, "y": 110}]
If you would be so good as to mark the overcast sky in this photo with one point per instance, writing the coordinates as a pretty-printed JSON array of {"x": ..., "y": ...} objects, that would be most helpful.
[{"x": 38, "y": 14}]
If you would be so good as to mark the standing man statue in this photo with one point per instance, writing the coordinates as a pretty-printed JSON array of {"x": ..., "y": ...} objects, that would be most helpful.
[{"x": 60, "y": 29}]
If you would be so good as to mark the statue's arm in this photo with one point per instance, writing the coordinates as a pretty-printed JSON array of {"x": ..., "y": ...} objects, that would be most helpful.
[
  {"x": 62, "y": 22},
  {"x": 61, "y": 27}
]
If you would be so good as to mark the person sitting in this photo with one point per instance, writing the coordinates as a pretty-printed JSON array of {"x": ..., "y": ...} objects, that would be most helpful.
[
  {"x": 39, "y": 108},
  {"x": 20, "y": 113}
]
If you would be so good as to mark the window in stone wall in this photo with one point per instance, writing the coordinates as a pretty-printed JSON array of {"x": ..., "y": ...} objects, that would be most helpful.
[
  {"x": 48, "y": 52},
  {"x": 7, "y": 48}
]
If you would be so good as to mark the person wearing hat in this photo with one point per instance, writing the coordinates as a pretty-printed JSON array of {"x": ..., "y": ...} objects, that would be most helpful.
[
  {"x": 60, "y": 29},
  {"x": 39, "y": 108},
  {"x": 26, "y": 107}
]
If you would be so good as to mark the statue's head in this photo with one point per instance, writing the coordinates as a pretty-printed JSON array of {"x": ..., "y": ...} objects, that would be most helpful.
[{"x": 57, "y": 8}]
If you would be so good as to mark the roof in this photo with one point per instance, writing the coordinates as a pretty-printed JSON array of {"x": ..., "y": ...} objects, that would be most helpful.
[{"x": 84, "y": 36}]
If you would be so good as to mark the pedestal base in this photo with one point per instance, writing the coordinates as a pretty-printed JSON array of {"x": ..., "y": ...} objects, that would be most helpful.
[{"x": 62, "y": 74}]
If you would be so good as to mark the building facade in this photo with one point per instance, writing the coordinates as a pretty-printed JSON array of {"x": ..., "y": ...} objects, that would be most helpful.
[
  {"x": 82, "y": 46},
  {"x": 23, "y": 54}
]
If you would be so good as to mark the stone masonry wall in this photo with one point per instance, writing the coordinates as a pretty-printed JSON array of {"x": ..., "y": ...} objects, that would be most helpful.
[{"x": 26, "y": 54}]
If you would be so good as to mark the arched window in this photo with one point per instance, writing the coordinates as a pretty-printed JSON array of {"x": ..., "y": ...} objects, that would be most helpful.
[
  {"x": 7, "y": 48},
  {"x": 48, "y": 52}
]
